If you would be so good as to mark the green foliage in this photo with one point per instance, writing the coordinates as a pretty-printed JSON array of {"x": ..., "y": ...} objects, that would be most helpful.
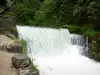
[
  {"x": 35, "y": 68},
  {"x": 44, "y": 16},
  {"x": 24, "y": 51},
  {"x": 73, "y": 28},
  {"x": 90, "y": 32},
  {"x": 65, "y": 14},
  {"x": 24, "y": 46},
  {"x": 24, "y": 11},
  {"x": 58, "y": 13},
  {"x": 94, "y": 13}
]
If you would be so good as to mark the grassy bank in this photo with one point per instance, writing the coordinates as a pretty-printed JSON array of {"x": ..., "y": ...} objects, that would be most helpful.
[
  {"x": 24, "y": 51},
  {"x": 24, "y": 46}
]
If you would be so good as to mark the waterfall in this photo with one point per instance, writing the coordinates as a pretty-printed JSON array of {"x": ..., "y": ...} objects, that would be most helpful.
[
  {"x": 77, "y": 40},
  {"x": 80, "y": 41},
  {"x": 57, "y": 52}
]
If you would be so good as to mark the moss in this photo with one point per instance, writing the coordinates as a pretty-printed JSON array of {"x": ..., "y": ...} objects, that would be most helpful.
[
  {"x": 35, "y": 68},
  {"x": 24, "y": 46},
  {"x": 24, "y": 51},
  {"x": 13, "y": 31}
]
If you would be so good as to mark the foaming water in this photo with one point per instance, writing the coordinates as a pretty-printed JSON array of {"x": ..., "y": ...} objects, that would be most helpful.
[
  {"x": 68, "y": 63},
  {"x": 57, "y": 52}
]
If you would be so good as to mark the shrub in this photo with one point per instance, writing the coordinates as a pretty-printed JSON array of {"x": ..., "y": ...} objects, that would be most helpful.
[
  {"x": 73, "y": 28},
  {"x": 90, "y": 32}
]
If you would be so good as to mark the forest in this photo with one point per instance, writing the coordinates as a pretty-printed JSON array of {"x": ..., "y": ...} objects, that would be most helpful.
[
  {"x": 79, "y": 16},
  {"x": 55, "y": 13}
]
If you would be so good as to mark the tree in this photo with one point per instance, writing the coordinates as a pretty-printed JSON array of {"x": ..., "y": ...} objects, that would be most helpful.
[
  {"x": 66, "y": 11},
  {"x": 44, "y": 16},
  {"x": 24, "y": 11},
  {"x": 94, "y": 13}
]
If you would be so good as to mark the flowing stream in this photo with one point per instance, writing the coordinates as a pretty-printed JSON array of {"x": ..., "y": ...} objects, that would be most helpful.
[{"x": 57, "y": 52}]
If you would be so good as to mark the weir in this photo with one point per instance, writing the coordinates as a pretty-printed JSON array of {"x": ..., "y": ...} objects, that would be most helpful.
[{"x": 57, "y": 52}]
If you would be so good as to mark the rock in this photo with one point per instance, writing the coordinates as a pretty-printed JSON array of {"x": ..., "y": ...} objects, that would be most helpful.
[
  {"x": 21, "y": 61},
  {"x": 15, "y": 47},
  {"x": 23, "y": 65},
  {"x": 6, "y": 47},
  {"x": 5, "y": 43},
  {"x": 94, "y": 41},
  {"x": 28, "y": 72},
  {"x": 10, "y": 36}
]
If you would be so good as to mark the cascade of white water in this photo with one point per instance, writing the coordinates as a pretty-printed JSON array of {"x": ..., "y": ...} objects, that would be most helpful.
[
  {"x": 45, "y": 40},
  {"x": 57, "y": 52},
  {"x": 77, "y": 39}
]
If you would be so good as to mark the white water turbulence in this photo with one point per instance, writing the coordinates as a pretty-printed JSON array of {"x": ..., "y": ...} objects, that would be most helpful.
[{"x": 57, "y": 52}]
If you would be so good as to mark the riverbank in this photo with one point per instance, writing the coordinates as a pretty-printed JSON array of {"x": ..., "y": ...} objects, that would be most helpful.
[
  {"x": 12, "y": 60},
  {"x": 5, "y": 56}
]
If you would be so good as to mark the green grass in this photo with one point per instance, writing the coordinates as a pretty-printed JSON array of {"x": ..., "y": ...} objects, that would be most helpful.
[
  {"x": 24, "y": 46},
  {"x": 35, "y": 68},
  {"x": 24, "y": 51}
]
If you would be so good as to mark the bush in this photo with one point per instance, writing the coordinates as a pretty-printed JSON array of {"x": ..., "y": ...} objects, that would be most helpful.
[
  {"x": 90, "y": 32},
  {"x": 73, "y": 28}
]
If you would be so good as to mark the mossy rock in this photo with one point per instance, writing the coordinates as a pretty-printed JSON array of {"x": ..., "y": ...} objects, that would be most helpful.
[
  {"x": 21, "y": 61},
  {"x": 13, "y": 31},
  {"x": 24, "y": 46},
  {"x": 24, "y": 64}
]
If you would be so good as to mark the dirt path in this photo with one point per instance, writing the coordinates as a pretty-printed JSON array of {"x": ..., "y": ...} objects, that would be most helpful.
[
  {"x": 5, "y": 40},
  {"x": 5, "y": 57},
  {"x": 5, "y": 63}
]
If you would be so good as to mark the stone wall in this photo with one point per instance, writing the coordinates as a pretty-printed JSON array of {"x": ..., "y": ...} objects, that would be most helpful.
[
  {"x": 7, "y": 24},
  {"x": 94, "y": 51}
]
